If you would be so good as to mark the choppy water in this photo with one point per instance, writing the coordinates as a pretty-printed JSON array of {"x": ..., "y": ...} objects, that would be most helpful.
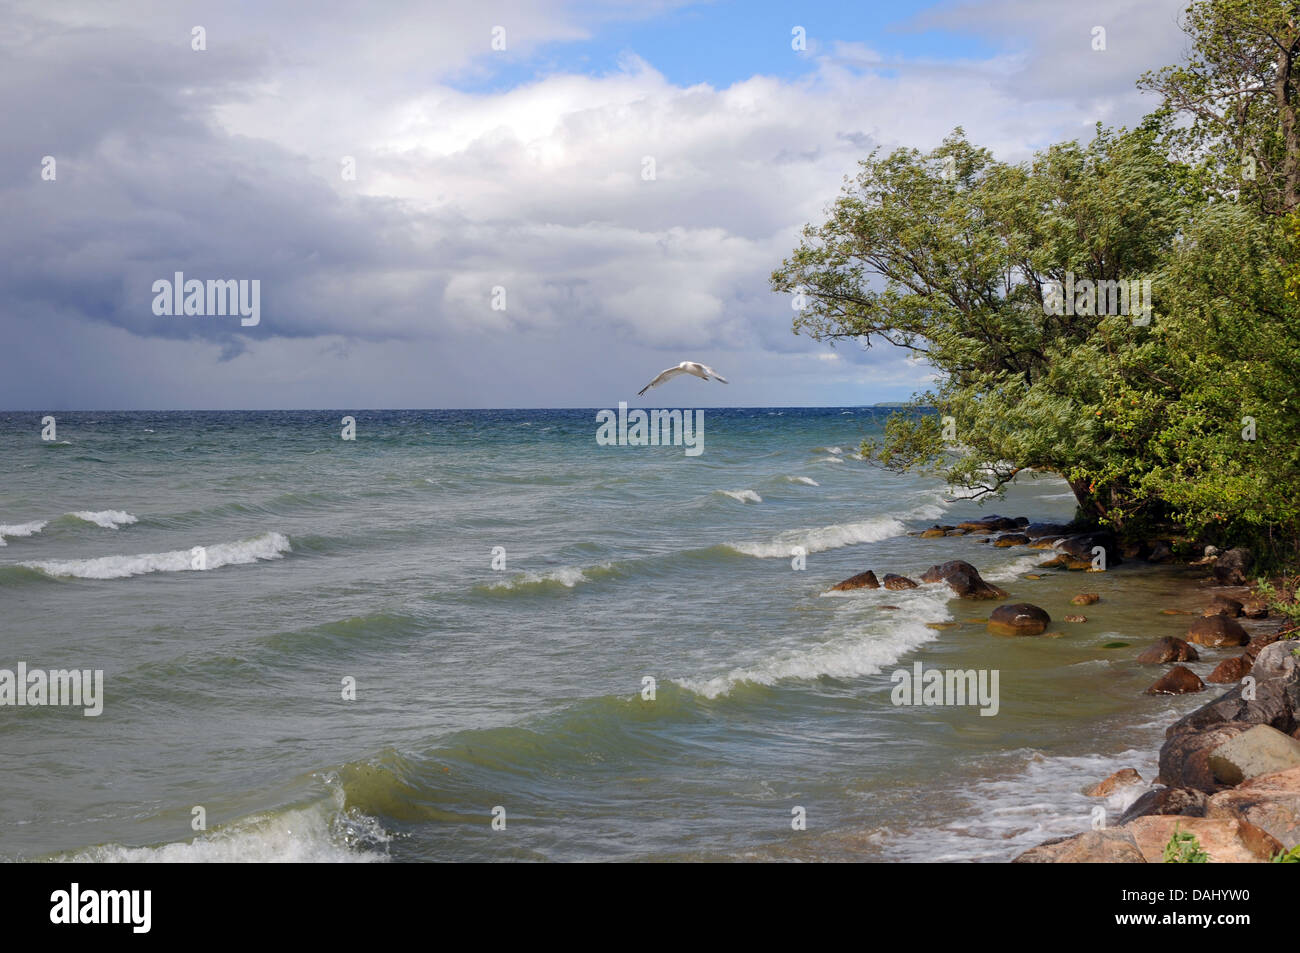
[{"x": 522, "y": 688}]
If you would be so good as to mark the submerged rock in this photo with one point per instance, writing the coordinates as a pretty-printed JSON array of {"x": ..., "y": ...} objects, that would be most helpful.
[
  {"x": 1179, "y": 680},
  {"x": 1168, "y": 649},
  {"x": 1217, "y": 630},
  {"x": 892, "y": 581},
  {"x": 863, "y": 580},
  {"x": 1222, "y": 605},
  {"x": 1020, "y": 618},
  {"x": 1121, "y": 778},
  {"x": 1085, "y": 599}
]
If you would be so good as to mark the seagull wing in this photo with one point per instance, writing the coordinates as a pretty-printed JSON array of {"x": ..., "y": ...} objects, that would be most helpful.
[
  {"x": 714, "y": 374},
  {"x": 663, "y": 376}
]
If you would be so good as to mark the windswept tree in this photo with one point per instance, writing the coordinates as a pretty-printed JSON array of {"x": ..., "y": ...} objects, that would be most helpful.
[
  {"x": 1237, "y": 99},
  {"x": 955, "y": 257}
]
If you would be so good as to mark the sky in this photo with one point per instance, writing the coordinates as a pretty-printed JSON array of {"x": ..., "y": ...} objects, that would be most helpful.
[{"x": 499, "y": 242}]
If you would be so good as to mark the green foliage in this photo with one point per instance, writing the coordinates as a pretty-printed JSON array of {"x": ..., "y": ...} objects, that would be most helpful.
[
  {"x": 1291, "y": 856},
  {"x": 1187, "y": 423},
  {"x": 1184, "y": 848}
]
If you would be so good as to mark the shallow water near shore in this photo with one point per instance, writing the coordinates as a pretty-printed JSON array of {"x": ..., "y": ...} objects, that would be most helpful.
[{"x": 521, "y": 688}]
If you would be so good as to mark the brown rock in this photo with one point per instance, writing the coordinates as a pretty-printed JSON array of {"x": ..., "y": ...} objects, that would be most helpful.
[
  {"x": 1222, "y": 605},
  {"x": 1255, "y": 609},
  {"x": 1226, "y": 840},
  {"x": 863, "y": 580},
  {"x": 1275, "y": 701},
  {"x": 1085, "y": 599},
  {"x": 988, "y": 524},
  {"x": 1217, "y": 630},
  {"x": 1185, "y": 801},
  {"x": 1112, "y": 845},
  {"x": 1018, "y": 619},
  {"x": 1260, "y": 641},
  {"x": 1168, "y": 649},
  {"x": 892, "y": 581},
  {"x": 1231, "y": 670},
  {"x": 1010, "y": 539},
  {"x": 1179, "y": 680},
  {"x": 1121, "y": 778},
  {"x": 1271, "y": 802},
  {"x": 1046, "y": 530},
  {"x": 933, "y": 532},
  {"x": 1056, "y": 562},
  {"x": 1075, "y": 618},
  {"x": 964, "y": 579},
  {"x": 1184, "y": 757}
]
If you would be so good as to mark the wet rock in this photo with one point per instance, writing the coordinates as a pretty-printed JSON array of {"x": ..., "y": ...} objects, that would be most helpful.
[
  {"x": 892, "y": 581},
  {"x": 1168, "y": 649},
  {"x": 1040, "y": 530},
  {"x": 1276, "y": 697},
  {"x": 1135, "y": 550},
  {"x": 1222, "y": 605},
  {"x": 942, "y": 626},
  {"x": 1185, "y": 801},
  {"x": 933, "y": 532},
  {"x": 1080, "y": 547},
  {"x": 1225, "y": 840},
  {"x": 1056, "y": 562},
  {"x": 988, "y": 524},
  {"x": 1260, "y": 641},
  {"x": 1122, "y": 778},
  {"x": 1231, "y": 567},
  {"x": 1217, "y": 630},
  {"x": 863, "y": 580},
  {"x": 1230, "y": 670},
  {"x": 1261, "y": 750},
  {"x": 1112, "y": 845},
  {"x": 1179, "y": 680},
  {"x": 955, "y": 532},
  {"x": 1010, "y": 539},
  {"x": 1160, "y": 552},
  {"x": 964, "y": 579},
  {"x": 1271, "y": 802},
  {"x": 1184, "y": 757},
  {"x": 1255, "y": 609},
  {"x": 1085, "y": 599},
  {"x": 1075, "y": 618},
  {"x": 1018, "y": 619}
]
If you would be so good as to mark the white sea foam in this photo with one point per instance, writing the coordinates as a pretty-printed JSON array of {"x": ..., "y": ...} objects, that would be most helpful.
[
  {"x": 743, "y": 496},
  {"x": 864, "y": 646},
  {"x": 567, "y": 576},
  {"x": 829, "y": 460},
  {"x": 21, "y": 529},
  {"x": 266, "y": 546},
  {"x": 109, "y": 519},
  {"x": 823, "y": 538},
  {"x": 803, "y": 479},
  {"x": 318, "y": 833}
]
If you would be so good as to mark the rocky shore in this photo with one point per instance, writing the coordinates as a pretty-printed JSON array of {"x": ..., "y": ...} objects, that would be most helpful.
[{"x": 1229, "y": 772}]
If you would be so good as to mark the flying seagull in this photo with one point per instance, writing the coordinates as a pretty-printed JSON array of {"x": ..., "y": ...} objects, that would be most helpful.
[{"x": 702, "y": 371}]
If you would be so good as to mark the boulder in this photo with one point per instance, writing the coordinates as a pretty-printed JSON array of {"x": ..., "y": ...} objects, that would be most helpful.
[
  {"x": 1011, "y": 539},
  {"x": 1222, "y": 605},
  {"x": 1112, "y": 845},
  {"x": 964, "y": 579},
  {"x": 1255, "y": 609},
  {"x": 1217, "y": 630},
  {"x": 988, "y": 524},
  {"x": 1184, "y": 757},
  {"x": 1080, "y": 547},
  {"x": 1040, "y": 530},
  {"x": 1185, "y": 801},
  {"x": 1261, "y": 750},
  {"x": 1168, "y": 649},
  {"x": 891, "y": 581},
  {"x": 1019, "y": 618},
  {"x": 1225, "y": 840},
  {"x": 1230, "y": 670},
  {"x": 1121, "y": 778},
  {"x": 1179, "y": 680},
  {"x": 1275, "y": 700},
  {"x": 1231, "y": 567},
  {"x": 1160, "y": 552},
  {"x": 863, "y": 580},
  {"x": 1271, "y": 802},
  {"x": 1085, "y": 599}
]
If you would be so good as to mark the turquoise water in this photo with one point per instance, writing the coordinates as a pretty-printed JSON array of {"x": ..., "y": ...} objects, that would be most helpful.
[{"x": 522, "y": 687}]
